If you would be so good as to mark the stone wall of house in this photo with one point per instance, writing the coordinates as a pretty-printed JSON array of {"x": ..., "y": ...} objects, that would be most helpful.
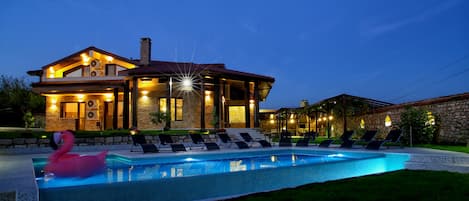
[
  {"x": 150, "y": 103},
  {"x": 54, "y": 122},
  {"x": 452, "y": 112}
]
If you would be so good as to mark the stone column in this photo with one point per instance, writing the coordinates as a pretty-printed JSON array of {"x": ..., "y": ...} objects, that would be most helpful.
[
  {"x": 246, "y": 104},
  {"x": 256, "y": 104},
  {"x": 217, "y": 100},
  {"x": 134, "y": 102},
  {"x": 168, "y": 102},
  {"x": 202, "y": 104},
  {"x": 125, "y": 118},
  {"x": 114, "y": 111}
]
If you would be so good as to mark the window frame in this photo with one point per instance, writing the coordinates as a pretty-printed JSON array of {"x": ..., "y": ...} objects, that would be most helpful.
[
  {"x": 63, "y": 105},
  {"x": 106, "y": 69},
  {"x": 175, "y": 106}
]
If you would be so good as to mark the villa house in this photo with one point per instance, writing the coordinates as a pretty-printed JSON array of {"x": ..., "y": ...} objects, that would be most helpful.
[{"x": 94, "y": 89}]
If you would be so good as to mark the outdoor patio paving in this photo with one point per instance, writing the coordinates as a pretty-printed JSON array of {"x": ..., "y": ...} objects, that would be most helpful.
[{"x": 16, "y": 169}]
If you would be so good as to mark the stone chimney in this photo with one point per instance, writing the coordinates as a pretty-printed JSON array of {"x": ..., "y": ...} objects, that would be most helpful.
[{"x": 145, "y": 51}]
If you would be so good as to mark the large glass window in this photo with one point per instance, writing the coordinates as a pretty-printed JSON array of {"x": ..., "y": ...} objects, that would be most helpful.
[
  {"x": 177, "y": 105},
  {"x": 78, "y": 71},
  {"x": 69, "y": 110}
]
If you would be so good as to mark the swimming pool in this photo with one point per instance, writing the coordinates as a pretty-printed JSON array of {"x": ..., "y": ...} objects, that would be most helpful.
[{"x": 213, "y": 174}]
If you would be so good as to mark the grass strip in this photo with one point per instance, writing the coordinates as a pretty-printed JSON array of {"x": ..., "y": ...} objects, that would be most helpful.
[{"x": 400, "y": 185}]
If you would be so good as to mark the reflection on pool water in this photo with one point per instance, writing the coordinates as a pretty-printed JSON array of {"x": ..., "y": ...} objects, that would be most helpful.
[
  {"x": 281, "y": 163},
  {"x": 122, "y": 169}
]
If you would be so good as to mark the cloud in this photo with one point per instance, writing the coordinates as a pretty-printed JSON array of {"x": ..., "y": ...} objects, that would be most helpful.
[{"x": 378, "y": 29}]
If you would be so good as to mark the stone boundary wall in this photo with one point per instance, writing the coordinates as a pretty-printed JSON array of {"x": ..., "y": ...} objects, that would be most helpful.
[{"x": 452, "y": 111}]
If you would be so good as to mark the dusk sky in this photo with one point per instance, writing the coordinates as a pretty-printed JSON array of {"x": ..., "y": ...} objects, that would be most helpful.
[{"x": 390, "y": 50}]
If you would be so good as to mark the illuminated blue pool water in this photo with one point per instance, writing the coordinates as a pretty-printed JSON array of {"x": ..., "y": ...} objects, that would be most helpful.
[{"x": 214, "y": 174}]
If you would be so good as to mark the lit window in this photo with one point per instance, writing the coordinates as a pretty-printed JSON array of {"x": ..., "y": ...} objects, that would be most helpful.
[
  {"x": 69, "y": 110},
  {"x": 177, "y": 105}
]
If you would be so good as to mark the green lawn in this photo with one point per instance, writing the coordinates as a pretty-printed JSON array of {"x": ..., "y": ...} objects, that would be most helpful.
[
  {"x": 456, "y": 148},
  {"x": 412, "y": 185}
]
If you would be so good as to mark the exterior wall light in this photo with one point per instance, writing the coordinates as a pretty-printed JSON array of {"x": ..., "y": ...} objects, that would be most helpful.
[
  {"x": 108, "y": 97},
  {"x": 80, "y": 97},
  {"x": 362, "y": 123},
  {"x": 85, "y": 58},
  {"x": 109, "y": 58},
  {"x": 145, "y": 95},
  {"x": 186, "y": 84},
  {"x": 431, "y": 119},
  {"x": 51, "y": 72},
  {"x": 207, "y": 96},
  {"x": 387, "y": 121},
  {"x": 53, "y": 106}
]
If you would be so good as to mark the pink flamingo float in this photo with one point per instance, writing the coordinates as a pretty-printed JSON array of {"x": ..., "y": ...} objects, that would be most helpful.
[{"x": 64, "y": 164}]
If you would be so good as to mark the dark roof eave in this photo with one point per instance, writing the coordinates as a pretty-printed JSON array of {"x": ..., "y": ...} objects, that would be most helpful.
[
  {"x": 154, "y": 71},
  {"x": 35, "y": 73}
]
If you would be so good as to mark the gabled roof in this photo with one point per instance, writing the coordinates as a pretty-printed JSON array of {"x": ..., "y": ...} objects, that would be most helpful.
[{"x": 75, "y": 57}]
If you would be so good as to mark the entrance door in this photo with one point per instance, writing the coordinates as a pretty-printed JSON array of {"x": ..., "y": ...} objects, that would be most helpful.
[
  {"x": 81, "y": 117},
  {"x": 237, "y": 116},
  {"x": 108, "y": 115}
]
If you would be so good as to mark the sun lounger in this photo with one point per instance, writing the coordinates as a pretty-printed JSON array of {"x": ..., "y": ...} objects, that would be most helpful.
[
  {"x": 139, "y": 140},
  {"x": 248, "y": 139},
  {"x": 367, "y": 137},
  {"x": 198, "y": 140},
  {"x": 345, "y": 137},
  {"x": 225, "y": 138},
  {"x": 304, "y": 142},
  {"x": 285, "y": 140},
  {"x": 242, "y": 145},
  {"x": 393, "y": 136},
  {"x": 167, "y": 140}
]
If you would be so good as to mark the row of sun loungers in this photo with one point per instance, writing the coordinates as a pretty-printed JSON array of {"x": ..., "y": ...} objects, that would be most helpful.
[
  {"x": 368, "y": 139},
  {"x": 346, "y": 142},
  {"x": 197, "y": 142},
  {"x": 285, "y": 141}
]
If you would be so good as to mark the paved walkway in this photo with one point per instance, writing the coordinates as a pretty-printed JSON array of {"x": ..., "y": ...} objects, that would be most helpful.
[{"x": 17, "y": 173}]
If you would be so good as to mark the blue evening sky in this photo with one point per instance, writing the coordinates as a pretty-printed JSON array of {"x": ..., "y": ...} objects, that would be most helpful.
[{"x": 390, "y": 50}]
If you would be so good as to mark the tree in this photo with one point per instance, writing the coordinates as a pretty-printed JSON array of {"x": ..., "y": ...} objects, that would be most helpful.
[
  {"x": 18, "y": 100},
  {"x": 159, "y": 117},
  {"x": 215, "y": 120},
  {"x": 420, "y": 122}
]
